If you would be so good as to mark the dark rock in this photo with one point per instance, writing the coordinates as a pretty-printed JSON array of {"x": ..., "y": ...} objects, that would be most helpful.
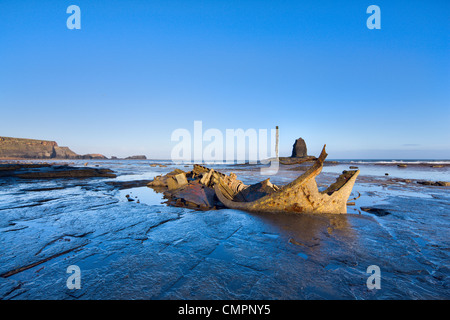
[
  {"x": 45, "y": 171},
  {"x": 128, "y": 184},
  {"x": 299, "y": 149},
  {"x": 141, "y": 157},
  {"x": 93, "y": 156},
  {"x": 437, "y": 183},
  {"x": 72, "y": 173},
  {"x": 376, "y": 211},
  {"x": 292, "y": 161}
]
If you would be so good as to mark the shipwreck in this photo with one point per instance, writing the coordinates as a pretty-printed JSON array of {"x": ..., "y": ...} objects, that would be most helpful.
[{"x": 205, "y": 189}]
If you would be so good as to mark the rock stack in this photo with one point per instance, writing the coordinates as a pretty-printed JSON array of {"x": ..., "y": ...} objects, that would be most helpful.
[
  {"x": 299, "y": 154},
  {"x": 299, "y": 149}
]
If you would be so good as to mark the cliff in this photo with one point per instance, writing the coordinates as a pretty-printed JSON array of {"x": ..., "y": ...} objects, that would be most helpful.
[{"x": 17, "y": 148}]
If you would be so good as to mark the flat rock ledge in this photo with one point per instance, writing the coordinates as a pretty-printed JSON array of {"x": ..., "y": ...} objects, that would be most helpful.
[{"x": 47, "y": 171}]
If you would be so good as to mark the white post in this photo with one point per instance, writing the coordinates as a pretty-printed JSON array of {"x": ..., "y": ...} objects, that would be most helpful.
[{"x": 276, "y": 143}]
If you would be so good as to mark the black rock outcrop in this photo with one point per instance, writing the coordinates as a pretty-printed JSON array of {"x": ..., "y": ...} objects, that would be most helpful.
[{"x": 299, "y": 149}]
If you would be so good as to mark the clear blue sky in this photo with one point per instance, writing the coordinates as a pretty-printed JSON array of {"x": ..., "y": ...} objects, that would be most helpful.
[{"x": 137, "y": 70}]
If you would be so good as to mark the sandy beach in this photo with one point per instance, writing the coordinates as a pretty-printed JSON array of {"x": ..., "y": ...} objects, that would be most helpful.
[{"x": 144, "y": 249}]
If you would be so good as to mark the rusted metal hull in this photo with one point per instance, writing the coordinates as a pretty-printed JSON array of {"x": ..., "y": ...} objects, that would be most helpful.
[
  {"x": 301, "y": 195},
  {"x": 205, "y": 189}
]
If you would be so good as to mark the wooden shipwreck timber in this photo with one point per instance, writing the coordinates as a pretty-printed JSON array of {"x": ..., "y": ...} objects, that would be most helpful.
[{"x": 205, "y": 189}]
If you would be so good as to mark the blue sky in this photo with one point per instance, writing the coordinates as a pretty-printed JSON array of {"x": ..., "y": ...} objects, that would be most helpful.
[{"x": 138, "y": 70}]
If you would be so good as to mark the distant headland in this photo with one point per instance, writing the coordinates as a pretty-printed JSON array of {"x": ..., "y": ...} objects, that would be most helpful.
[{"x": 18, "y": 148}]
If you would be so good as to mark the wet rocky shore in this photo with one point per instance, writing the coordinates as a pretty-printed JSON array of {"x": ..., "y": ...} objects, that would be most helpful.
[{"x": 144, "y": 249}]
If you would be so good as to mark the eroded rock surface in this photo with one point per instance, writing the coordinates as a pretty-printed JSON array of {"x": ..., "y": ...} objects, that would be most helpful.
[
  {"x": 127, "y": 250},
  {"x": 47, "y": 171}
]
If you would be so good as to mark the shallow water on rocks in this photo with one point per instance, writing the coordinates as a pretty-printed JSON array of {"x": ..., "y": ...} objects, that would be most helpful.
[{"x": 147, "y": 250}]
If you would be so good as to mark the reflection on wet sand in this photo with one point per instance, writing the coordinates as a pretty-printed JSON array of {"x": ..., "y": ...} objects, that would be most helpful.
[{"x": 308, "y": 229}]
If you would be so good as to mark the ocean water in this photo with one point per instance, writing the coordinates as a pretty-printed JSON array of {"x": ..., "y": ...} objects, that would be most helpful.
[{"x": 420, "y": 170}]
